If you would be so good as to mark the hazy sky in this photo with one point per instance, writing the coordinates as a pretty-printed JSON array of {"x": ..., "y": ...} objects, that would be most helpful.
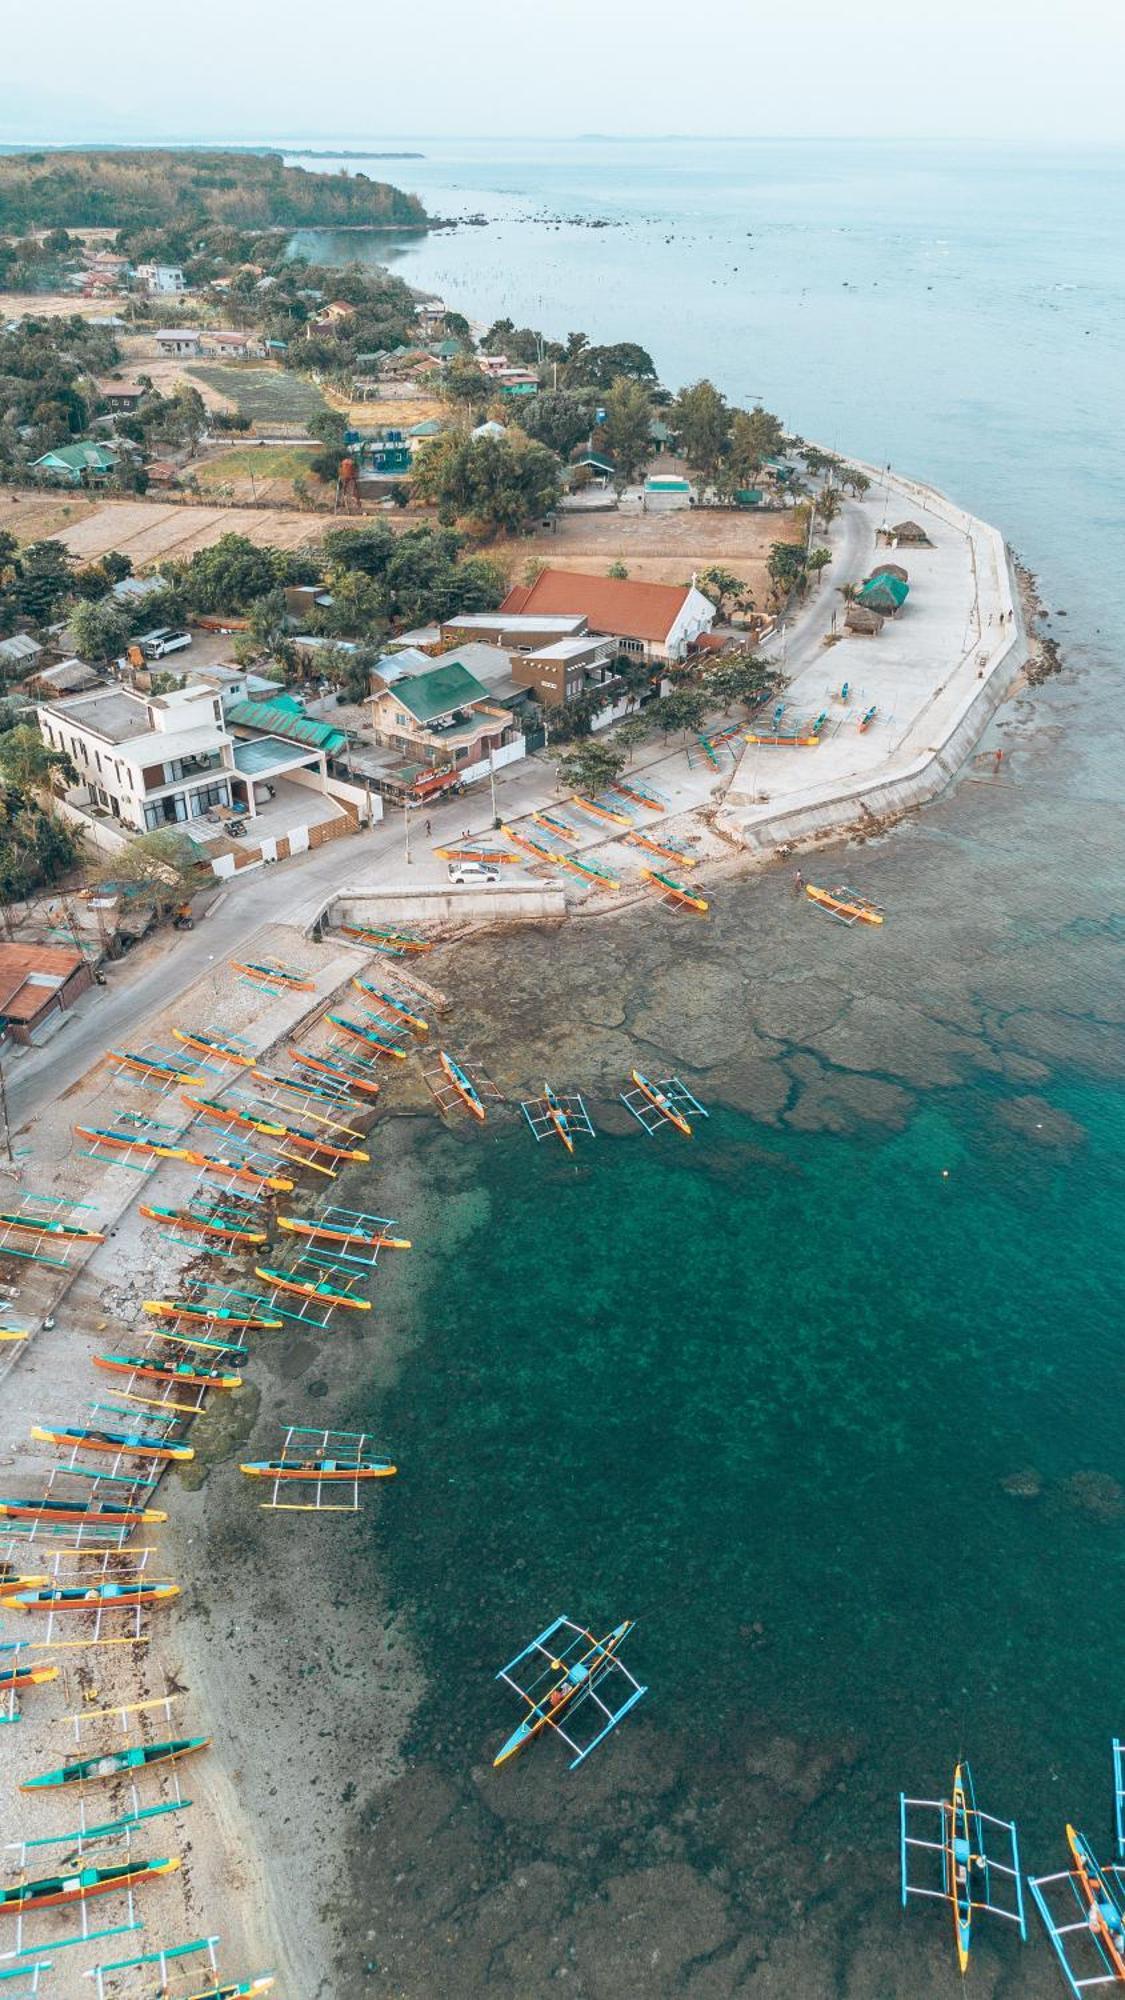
[{"x": 1028, "y": 70}]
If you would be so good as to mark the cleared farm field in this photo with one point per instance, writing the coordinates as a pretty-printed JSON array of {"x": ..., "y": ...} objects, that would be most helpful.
[
  {"x": 265, "y": 395},
  {"x": 150, "y": 534}
]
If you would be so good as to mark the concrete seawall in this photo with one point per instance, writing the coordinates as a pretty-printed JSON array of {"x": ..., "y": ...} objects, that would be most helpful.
[
  {"x": 971, "y": 679},
  {"x": 425, "y": 903}
]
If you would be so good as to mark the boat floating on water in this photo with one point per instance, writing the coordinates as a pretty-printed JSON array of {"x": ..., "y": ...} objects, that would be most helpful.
[
  {"x": 461, "y": 1084},
  {"x": 674, "y": 892},
  {"x": 339, "y": 1232},
  {"x": 971, "y": 1859},
  {"x": 1088, "y": 1933},
  {"x": 319, "y": 1468},
  {"x": 654, "y": 1104},
  {"x": 844, "y": 904},
  {"x": 571, "y": 1666}
]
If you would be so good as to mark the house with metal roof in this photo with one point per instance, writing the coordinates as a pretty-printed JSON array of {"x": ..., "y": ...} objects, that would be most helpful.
[
  {"x": 656, "y": 621},
  {"x": 38, "y": 982},
  {"x": 446, "y": 726},
  {"x": 82, "y": 464}
]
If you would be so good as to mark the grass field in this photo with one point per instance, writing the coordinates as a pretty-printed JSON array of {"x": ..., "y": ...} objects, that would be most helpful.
[
  {"x": 262, "y": 462},
  {"x": 265, "y": 395}
]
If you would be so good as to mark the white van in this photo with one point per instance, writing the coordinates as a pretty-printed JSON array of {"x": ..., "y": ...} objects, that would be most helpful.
[
  {"x": 479, "y": 872},
  {"x": 154, "y": 645}
]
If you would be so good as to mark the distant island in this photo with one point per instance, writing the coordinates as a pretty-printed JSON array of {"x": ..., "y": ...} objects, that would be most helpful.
[
  {"x": 159, "y": 189},
  {"x": 309, "y": 153}
]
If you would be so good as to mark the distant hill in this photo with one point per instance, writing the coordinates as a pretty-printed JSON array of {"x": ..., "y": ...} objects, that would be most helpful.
[{"x": 158, "y": 189}]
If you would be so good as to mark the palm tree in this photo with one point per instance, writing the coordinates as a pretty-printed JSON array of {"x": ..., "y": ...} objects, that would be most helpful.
[
  {"x": 828, "y": 505},
  {"x": 848, "y": 591}
]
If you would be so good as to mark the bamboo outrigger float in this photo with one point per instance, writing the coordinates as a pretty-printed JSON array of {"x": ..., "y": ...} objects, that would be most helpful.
[
  {"x": 182, "y": 1218},
  {"x": 844, "y": 904},
  {"x": 972, "y": 1859},
  {"x": 555, "y": 825},
  {"x": 229, "y": 1114},
  {"x": 116, "y": 1763},
  {"x": 16, "y": 1680},
  {"x": 80, "y": 1885},
  {"x": 393, "y": 1006},
  {"x": 371, "y": 1038},
  {"x": 674, "y": 892},
  {"x": 573, "y": 1667},
  {"x": 638, "y": 795},
  {"x": 565, "y": 1117},
  {"x": 212, "y": 1045},
  {"x": 310, "y": 1288}
]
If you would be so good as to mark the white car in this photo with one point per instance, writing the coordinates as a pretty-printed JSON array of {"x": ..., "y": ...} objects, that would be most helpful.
[{"x": 478, "y": 872}]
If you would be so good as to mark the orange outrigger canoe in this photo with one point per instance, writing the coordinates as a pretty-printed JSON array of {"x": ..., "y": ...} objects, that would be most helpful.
[
  {"x": 187, "y": 1372},
  {"x": 863, "y": 913},
  {"x": 665, "y": 886},
  {"x": 210, "y": 1045},
  {"x": 334, "y": 1232},
  {"x": 309, "y": 1288},
  {"x": 65, "y": 1232},
  {"x": 215, "y": 1315},
  {"x": 182, "y": 1218},
  {"x": 322, "y": 1066}
]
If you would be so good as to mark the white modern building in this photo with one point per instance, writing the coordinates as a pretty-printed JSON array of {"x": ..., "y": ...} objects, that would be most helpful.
[
  {"x": 147, "y": 760},
  {"x": 162, "y": 280}
]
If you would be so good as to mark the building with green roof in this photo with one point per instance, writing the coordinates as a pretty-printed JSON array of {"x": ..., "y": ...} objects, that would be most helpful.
[
  {"x": 81, "y": 464},
  {"x": 284, "y": 718}
]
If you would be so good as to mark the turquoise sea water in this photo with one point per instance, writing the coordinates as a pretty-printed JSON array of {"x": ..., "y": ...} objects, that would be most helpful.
[{"x": 830, "y": 1399}]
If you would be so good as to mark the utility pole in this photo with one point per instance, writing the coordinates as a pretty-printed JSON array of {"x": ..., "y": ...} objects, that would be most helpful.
[
  {"x": 406, "y": 822},
  {"x": 4, "y": 1116},
  {"x": 492, "y": 782}
]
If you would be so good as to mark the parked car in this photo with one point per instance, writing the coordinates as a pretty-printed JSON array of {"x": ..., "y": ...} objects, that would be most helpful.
[
  {"x": 469, "y": 872},
  {"x": 154, "y": 645}
]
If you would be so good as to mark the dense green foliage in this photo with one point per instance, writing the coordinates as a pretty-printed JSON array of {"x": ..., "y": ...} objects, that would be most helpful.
[
  {"x": 492, "y": 483},
  {"x": 403, "y": 579},
  {"x": 126, "y": 189}
]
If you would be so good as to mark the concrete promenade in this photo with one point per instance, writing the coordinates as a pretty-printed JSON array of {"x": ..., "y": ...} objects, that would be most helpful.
[{"x": 933, "y": 675}]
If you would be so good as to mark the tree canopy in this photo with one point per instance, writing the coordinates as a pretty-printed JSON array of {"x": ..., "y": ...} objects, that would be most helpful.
[{"x": 492, "y": 483}]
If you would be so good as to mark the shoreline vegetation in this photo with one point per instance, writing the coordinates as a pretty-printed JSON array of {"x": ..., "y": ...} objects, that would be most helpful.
[{"x": 158, "y": 188}]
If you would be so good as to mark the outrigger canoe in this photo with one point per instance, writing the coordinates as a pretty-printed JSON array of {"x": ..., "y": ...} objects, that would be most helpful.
[
  {"x": 296, "y": 981},
  {"x": 309, "y": 1288},
  {"x": 88, "y": 1597},
  {"x": 153, "y": 1066},
  {"x": 319, "y": 1468},
  {"x": 210, "y": 1045},
  {"x": 639, "y": 798},
  {"x": 842, "y": 906},
  {"x": 535, "y": 847},
  {"x": 393, "y": 941},
  {"x": 13, "y": 1680},
  {"x": 662, "y": 1103},
  {"x": 295, "y": 1135},
  {"x": 226, "y": 1114},
  {"x": 962, "y": 1841},
  {"x": 600, "y": 812},
  {"x": 558, "y": 1117},
  {"x": 322, "y": 1066},
  {"x": 182, "y": 1218},
  {"x": 94, "y": 1513},
  {"x": 243, "y": 1989},
  {"x": 555, "y": 825},
  {"x": 370, "y": 1037},
  {"x": 1105, "y": 1904},
  {"x": 658, "y": 847},
  {"x": 576, "y": 1680},
  {"x": 394, "y": 1006},
  {"x": 676, "y": 890},
  {"x": 465, "y": 1089},
  {"x": 216, "y": 1315},
  {"x": 65, "y": 1232},
  {"x": 335, "y": 1232},
  {"x": 235, "y": 1170},
  {"x": 187, "y": 1372},
  {"x": 111, "y": 1763},
  {"x": 80, "y": 1884},
  {"x": 116, "y": 1441}
]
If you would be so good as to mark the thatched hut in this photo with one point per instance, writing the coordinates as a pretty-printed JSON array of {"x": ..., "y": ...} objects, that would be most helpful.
[
  {"x": 906, "y": 533},
  {"x": 889, "y": 569},
  {"x": 884, "y": 593},
  {"x": 857, "y": 618}
]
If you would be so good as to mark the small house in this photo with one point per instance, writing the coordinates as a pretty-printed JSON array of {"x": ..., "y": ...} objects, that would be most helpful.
[
  {"x": 36, "y": 982},
  {"x": 82, "y": 464},
  {"x": 121, "y": 398},
  {"x": 18, "y": 654},
  {"x": 68, "y": 677},
  {"x": 665, "y": 491},
  {"x": 178, "y": 342},
  {"x": 162, "y": 280}
]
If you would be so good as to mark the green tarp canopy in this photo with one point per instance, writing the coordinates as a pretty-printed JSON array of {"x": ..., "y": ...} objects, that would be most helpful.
[{"x": 884, "y": 593}]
